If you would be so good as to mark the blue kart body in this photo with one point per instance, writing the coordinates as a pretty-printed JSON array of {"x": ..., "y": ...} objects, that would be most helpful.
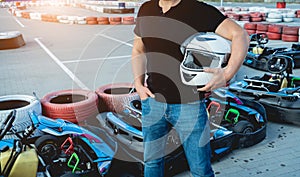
[
  {"x": 99, "y": 151},
  {"x": 126, "y": 128}
]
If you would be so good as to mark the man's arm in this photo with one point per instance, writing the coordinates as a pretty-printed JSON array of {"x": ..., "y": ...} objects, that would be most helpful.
[
  {"x": 139, "y": 68},
  {"x": 239, "y": 47}
]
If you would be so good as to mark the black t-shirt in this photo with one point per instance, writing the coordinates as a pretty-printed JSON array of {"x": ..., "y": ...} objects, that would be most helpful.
[{"x": 162, "y": 35}]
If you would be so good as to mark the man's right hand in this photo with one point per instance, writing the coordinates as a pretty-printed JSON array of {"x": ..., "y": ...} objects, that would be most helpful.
[{"x": 144, "y": 92}]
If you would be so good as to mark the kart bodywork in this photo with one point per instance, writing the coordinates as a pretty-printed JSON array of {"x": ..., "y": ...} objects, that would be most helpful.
[
  {"x": 278, "y": 91},
  {"x": 234, "y": 124},
  {"x": 258, "y": 54}
]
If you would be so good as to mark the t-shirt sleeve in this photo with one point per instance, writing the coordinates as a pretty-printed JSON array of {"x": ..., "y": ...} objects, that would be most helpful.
[{"x": 210, "y": 18}]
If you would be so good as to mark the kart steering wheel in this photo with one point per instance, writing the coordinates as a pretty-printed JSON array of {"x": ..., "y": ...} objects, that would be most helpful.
[
  {"x": 260, "y": 38},
  {"x": 278, "y": 64},
  {"x": 7, "y": 124}
]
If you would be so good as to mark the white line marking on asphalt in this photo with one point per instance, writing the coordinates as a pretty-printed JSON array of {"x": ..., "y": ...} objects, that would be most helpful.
[
  {"x": 96, "y": 59},
  {"x": 108, "y": 37},
  {"x": 60, "y": 64},
  {"x": 19, "y": 22}
]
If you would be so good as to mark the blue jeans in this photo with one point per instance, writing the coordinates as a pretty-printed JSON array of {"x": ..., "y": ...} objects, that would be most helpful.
[{"x": 190, "y": 122}]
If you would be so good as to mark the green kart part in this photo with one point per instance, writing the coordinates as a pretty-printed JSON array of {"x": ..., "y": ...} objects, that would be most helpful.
[
  {"x": 235, "y": 112},
  {"x": 74, "y": 167}
]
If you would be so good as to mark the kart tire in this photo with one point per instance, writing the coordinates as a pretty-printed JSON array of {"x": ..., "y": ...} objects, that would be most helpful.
[
  {"x": 22, "y": 104},
  {"x": 274, "y": 36},
  {"x": 290, "y": 30},
  {"x": 72, "y": 105},
  {"x": 289, "y": 38},
  {"x": 244, "y": 127},
  {"x": 250, "y": 26},
  {"x": 47, "y": 147},
  {"x": 114, "y": 97}
]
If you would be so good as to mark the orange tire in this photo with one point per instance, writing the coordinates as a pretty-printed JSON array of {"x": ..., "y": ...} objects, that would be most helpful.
[
  {"x": 250, "y": 26},
  {"x": 274, "y": 36},
  {"x": 289, "y": 38},
  {"x": 262, "y": 27},
  {"x": 92, "y": 22},
  {"x": 290, "y": 30}
]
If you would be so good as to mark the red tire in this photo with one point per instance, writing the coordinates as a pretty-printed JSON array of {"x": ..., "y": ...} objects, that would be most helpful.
[
  {"x": 255, "y": 14},
  {"x": 256, "y": 19},
  {"x": 72, "y": 105},
  {"x": 115, "y": 19},
  {"x": 250, "y": 26},
  {"x": 289, "y": 38},
  {"x": 275, "y": 28},
  {"x": 263, "y": 32},
  {"x": 274, "y": 36},
  {"x": 262, "y": 27},
  {"x": 251, "y": 31},
  {"x": 103, "y": 19},
  {"x": 115, "y": 97},
  {"x": 290, "y": 30}
]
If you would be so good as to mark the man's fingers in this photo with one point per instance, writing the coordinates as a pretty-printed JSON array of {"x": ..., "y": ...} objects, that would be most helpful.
[{"x": 209, "y": 70}]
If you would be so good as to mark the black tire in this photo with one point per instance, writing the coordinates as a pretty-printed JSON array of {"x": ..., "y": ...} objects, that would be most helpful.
[
  {"x": 244, "y": 127},
  {"x": 47, "y": 147}
]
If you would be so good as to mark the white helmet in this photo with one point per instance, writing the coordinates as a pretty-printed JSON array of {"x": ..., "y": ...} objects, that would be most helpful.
[{"x": 206, "y": 50}]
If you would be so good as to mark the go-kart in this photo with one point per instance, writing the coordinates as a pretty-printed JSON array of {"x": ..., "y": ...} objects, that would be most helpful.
[
  {"x": 278, "y": 91},
  {"x": 234, "y": 124},
  {"x": 259, "y": 54},
  {"x": 64, "y": 148}
]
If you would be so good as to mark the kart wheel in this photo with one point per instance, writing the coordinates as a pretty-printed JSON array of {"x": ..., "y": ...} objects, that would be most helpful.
[
  {"x": 47, "y": 147},
  {"x": 244, "y": 127}
]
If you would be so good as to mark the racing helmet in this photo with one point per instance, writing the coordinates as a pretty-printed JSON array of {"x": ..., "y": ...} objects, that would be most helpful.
[{"x": 205, "y": 50}]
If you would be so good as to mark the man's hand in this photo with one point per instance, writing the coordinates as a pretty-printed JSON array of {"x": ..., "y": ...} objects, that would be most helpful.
[
  {"x": 218, "y": 80},
  {"x": 144, "y": 92}
]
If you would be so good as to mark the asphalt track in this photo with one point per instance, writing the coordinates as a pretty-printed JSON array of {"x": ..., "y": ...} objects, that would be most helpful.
[{"x": 64, "y": 56}]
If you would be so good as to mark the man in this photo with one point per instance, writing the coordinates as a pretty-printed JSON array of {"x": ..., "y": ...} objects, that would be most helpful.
[{"x": 162, "y": 26}]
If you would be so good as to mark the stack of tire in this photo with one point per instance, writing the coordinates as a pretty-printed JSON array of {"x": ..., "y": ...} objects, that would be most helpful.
[
  {"x": 128, "y": 20},
  {"x": 274, "y": 17},
  {"x": 11, "y": 40},
  {"x": 245, "y": 17},
  {"x": 262, "y": 28},
  {"x": 103, "y": 20},
  {"x": 290, "y": 34},
  {"x": 274, "y": 31},
  {"x": 255, "y": 16},
  {"x": 23, "y": 104},
  {"x": 115, "y": 20},
  {"x": 72, "y": 105},
  {"x": 232, "y": 15},
  {"x": 250, "y": 28},
  {"x": 115, "y": 97},
  {"x": 91, "y": 20},
  {"x": 49, "y": 18}
]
